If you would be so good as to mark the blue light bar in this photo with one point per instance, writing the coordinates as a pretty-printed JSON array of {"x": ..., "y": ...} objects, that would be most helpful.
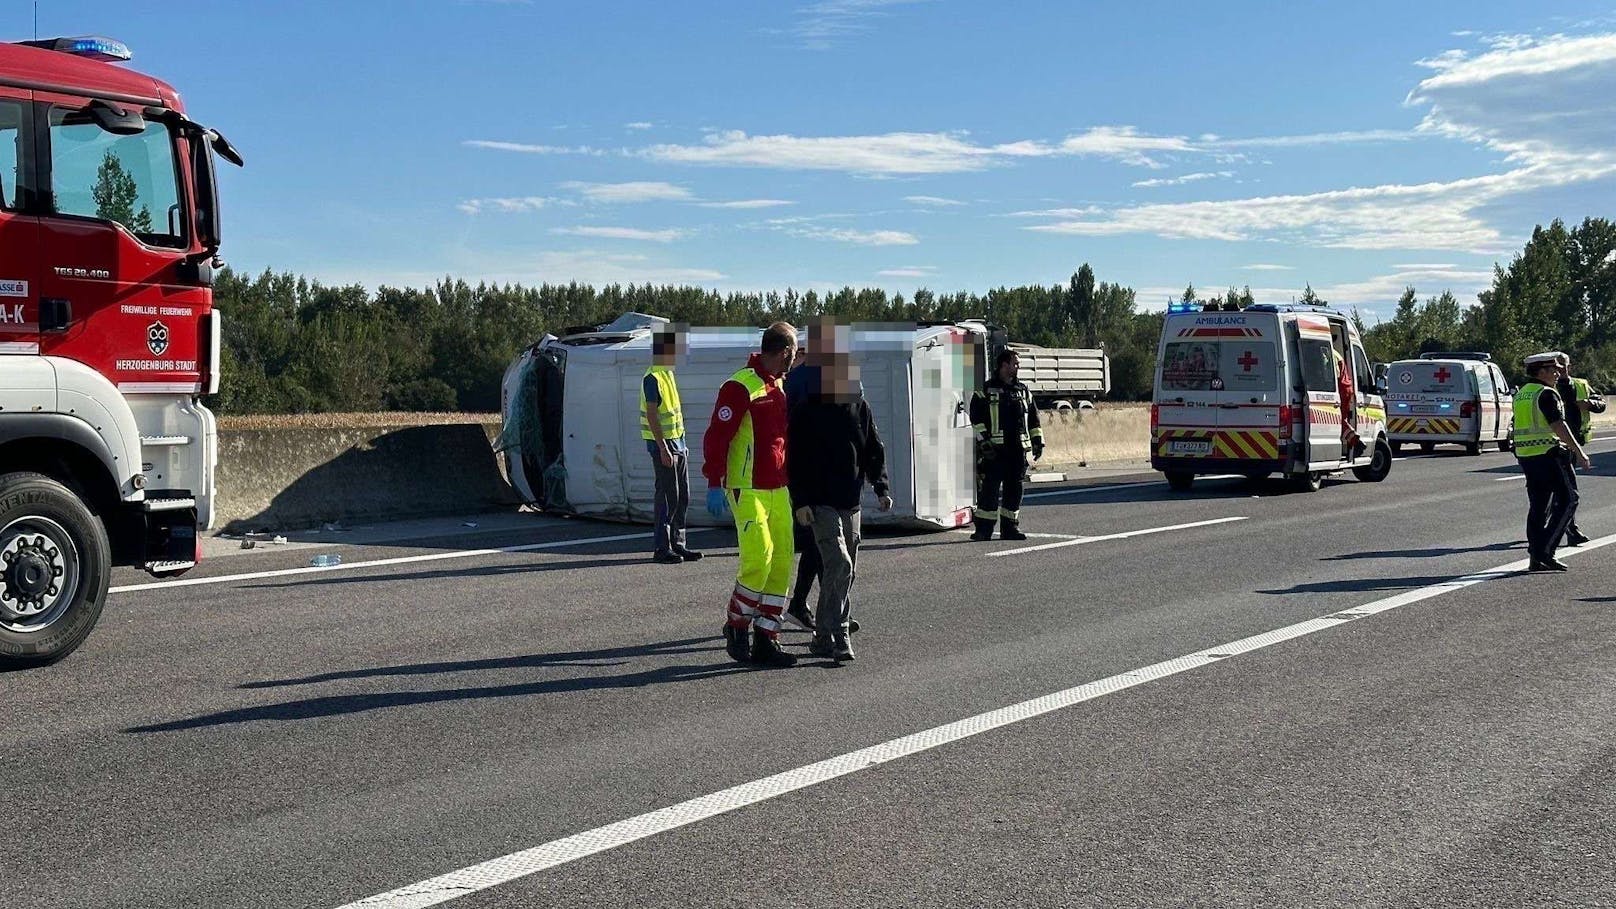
[
  {"x": 1175, "y": 306},
  {"x": 90, "y": 47}
]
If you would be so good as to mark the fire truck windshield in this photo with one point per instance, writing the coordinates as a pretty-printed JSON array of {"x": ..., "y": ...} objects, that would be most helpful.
[{"x": 131, "y": 179}]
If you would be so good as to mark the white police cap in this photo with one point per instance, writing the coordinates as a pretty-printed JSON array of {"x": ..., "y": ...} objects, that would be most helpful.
[{"x": 1539, "y": 359}]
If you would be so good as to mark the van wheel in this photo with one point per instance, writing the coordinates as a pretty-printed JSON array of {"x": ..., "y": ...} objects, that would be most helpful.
[
  {"x": 55, "y": 564},
  {"x": 1473, "y": 448},
  {"x": 1307, "y": 482},
  {"x": 1379, "y": 466},
  {"x": 1427, "y": 447},
  {"x": 1257, "y": 476},
  {"x": 1397, "y": 449},
  {"x": 1180, "y": 481}
]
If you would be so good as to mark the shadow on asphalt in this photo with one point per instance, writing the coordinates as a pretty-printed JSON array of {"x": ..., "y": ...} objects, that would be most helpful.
[
  {"x": 483, "y": 571},
  {"x": 614, "y": 656},
  {"x": 346, "y": 704},
  {"x": 1597, "y": 600},
  {"x": 1357, "y": 585},
  {"x": 1426, "y": 553}
]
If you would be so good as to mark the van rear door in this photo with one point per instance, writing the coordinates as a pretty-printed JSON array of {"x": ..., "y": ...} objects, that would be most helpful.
[
  {"x": 1220, "y": 396},
  {"x": 1321, "y": 396}
]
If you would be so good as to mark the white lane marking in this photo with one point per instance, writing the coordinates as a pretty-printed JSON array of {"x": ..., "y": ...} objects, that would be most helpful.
[
  {"x": 1078, "y": 490},
  {"x": 1507, "y": 479},
  {"x": 398, "y": 560},
  {"x": 516, "y": 865},
  {"x": 1110, "y": 536},
  {"x": 1035, "y": 536}
]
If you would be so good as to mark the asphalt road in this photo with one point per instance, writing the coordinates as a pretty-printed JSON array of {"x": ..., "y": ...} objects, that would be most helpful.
[{"x": 316, "y": 738}]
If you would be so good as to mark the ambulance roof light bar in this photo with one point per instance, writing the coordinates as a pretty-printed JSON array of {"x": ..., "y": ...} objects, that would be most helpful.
[
  {"x": 90, "y": 47},
  {"x": 1456, "y": 355}
]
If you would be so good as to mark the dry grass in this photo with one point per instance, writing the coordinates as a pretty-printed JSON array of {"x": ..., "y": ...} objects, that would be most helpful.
[{"x": 349, "y": 420}]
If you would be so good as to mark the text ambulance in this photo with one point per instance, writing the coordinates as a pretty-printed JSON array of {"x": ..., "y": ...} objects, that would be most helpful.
[
  {"x": 1260, "y": 391},
  {"x": 1449, "y": 399}
]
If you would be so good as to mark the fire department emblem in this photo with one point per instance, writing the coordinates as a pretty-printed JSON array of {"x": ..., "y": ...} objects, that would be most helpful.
[{"x": 157, "y": 339}]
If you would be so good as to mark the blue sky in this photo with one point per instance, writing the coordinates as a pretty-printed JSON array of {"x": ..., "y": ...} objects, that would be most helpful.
[{"x": 950, "y": 144}]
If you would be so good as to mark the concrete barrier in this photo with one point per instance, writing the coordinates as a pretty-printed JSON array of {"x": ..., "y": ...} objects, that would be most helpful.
[
  {"x": 292, "y": 477},
  {"x": 1104, "y": 435}
]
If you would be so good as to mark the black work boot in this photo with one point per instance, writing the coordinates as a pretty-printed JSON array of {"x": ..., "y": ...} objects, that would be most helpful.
[
  {"x": 1011, "y": 530},
  {"x": 821, "y": 646},
  {"x": 735, "y": 644},
  {"x": 802, "y": 615},
  {"x": 1575, "y": 537},
  {"x": 843, "y": 649},
  {"x": 984, "y": 530},
  {"x": 766, "y": 652}
]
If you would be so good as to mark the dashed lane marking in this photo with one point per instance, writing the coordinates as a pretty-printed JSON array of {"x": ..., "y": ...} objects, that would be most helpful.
[{"x": 1079, "y": 541}]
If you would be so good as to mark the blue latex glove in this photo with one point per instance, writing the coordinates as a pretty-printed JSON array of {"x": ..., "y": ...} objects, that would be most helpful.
[{"x": 717, "y": 502}]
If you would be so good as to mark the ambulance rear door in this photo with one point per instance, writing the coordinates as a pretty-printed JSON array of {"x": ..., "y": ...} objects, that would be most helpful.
[
  {"x": 1491, "y": 403},
  {"x": 1320, "y": 396},
  {"x": 1186, "y": 405},
  {"x": 1220, "y": 395}
]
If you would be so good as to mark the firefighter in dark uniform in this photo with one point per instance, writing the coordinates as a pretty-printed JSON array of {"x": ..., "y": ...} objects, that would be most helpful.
[
  {"x": 1007, "y": 430},
  {"x": 1580, "y": 402},
  {"x": 1546, "y": 449}
]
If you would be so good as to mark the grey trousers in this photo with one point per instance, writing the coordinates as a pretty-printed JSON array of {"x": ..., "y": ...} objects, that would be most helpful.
[
  {"x": 836, "y": 535},
  {"x": 672, "y": 501}
]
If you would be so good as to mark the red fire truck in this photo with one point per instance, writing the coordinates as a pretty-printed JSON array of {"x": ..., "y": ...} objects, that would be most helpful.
[{"x": 109, "y": 228}]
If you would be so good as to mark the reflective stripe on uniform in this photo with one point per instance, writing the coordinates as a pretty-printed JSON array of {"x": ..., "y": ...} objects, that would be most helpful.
[{"x": 742, "y": 448}]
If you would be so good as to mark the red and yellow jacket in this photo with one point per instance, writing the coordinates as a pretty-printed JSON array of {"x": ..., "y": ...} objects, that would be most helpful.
[{"x": 745, "y": 444}]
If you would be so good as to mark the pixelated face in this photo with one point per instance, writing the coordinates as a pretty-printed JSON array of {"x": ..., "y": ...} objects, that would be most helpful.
[{"x": 669, "y": 346}]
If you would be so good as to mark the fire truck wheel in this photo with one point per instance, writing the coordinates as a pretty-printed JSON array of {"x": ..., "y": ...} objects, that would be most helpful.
[
  {"x": 1179, "y": 481},
  {"x": 1379, "y": 466},
  {"x": 55, "y": 565}
]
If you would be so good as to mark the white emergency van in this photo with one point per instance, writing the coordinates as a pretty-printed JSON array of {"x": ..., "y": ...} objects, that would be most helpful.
[
  {"x": 1449, "y": 398},
  {"x": 1255, "y": 391}
]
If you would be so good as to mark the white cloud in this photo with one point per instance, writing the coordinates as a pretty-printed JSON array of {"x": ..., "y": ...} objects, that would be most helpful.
[
  {"x": 1125, "y": 144},
  {"x": 909, "y": 271},
  {"x": 1300, "y": 141},
  {"x": 934, "y": 201},
  {"x": 638, "y": 125},
  {"x": 858, "y": 237},
  {"x": 533, "y": 149},
  {"x": 624, "y": 233},
  {"x": 748, "y": 203},
  {"x": 1426, "y": 266},
  {"x": 1379, "y": 294},
  {"x": 638, "y": 191},
  {"x": 507, "y": 204},
  {"x": 883, "y": 155},
  {"x": 1187, "y": 178},
  {"x": 819, "y": 25},
  {"x": 1263, "y": 266}
]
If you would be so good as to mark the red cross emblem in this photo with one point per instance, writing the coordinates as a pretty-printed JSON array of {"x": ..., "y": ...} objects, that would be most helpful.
[
  {"x": 1246, "y": 361},
  {"x": 1442, "y": 375}
]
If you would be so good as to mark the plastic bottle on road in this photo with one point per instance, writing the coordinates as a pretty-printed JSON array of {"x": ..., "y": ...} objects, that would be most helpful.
[{"x": 325, "y": 560}]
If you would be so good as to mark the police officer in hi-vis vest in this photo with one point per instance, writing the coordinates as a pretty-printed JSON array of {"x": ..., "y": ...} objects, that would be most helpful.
[
  {"x": 744, "y": 460},
  {"x": 662, "y": 425},
  {"x": 1546, "y": 449},
  {"x": 1580, "y": 402},
  {"x": 1007, "y": 429}
]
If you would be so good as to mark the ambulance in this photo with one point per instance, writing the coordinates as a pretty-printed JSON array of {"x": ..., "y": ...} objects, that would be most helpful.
[
  {"x": 1449, "y": 398},
  {"x": 1255, "y": 391}
]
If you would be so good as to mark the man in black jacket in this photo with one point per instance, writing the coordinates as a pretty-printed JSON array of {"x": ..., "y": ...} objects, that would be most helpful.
[
  {"x": 833, "y": 447},
  {"x": 1007, "y": 430}
]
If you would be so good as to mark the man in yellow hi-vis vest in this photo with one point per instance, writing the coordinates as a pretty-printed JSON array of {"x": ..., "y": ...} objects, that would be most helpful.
[
  {"x": 662, "y": 425},
  {"x": 744, "y": 460},
  {"x": 1546, "y": 449}
]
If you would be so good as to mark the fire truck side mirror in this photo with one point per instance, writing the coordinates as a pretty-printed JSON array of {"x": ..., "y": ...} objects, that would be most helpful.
[
  {"x": 55, "y": 315},
  {"x": 116, "y": 120}
]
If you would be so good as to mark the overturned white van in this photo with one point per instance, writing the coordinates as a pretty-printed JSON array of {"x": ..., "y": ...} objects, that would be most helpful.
[{"x": 571, "y": 405}]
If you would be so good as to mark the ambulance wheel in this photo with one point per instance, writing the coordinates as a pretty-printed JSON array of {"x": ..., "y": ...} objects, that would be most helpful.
[
  {"x": 1308, "y": 482},
  {"x": 1257, "y": 476},
  {"x": 55, "y": 563},
  {"x": 1379, "y": 466},
  {"x": 1427, "y": 447},
  {"x": 1180, "y": 482},
  {"x": 1397, "y": 449}
]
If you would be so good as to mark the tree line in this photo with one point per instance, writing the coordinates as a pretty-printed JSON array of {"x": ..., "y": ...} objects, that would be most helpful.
[{"x": 293, "y": 345}]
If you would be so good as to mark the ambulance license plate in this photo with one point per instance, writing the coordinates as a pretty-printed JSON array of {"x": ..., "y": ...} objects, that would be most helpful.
[{"x": 1191, "y": 447}]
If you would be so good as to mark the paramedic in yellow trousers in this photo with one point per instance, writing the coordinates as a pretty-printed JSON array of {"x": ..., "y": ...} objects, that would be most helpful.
[
  {"x": 744, "y": 460},
  {"x": 1546, "y": 449},
  {"x": 1006, "y": 424},
  {"x": 662, "y": 425}
]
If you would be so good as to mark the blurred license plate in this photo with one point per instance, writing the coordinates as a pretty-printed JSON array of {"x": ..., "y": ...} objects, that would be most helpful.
[{"x": 1191, "y": 447}]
